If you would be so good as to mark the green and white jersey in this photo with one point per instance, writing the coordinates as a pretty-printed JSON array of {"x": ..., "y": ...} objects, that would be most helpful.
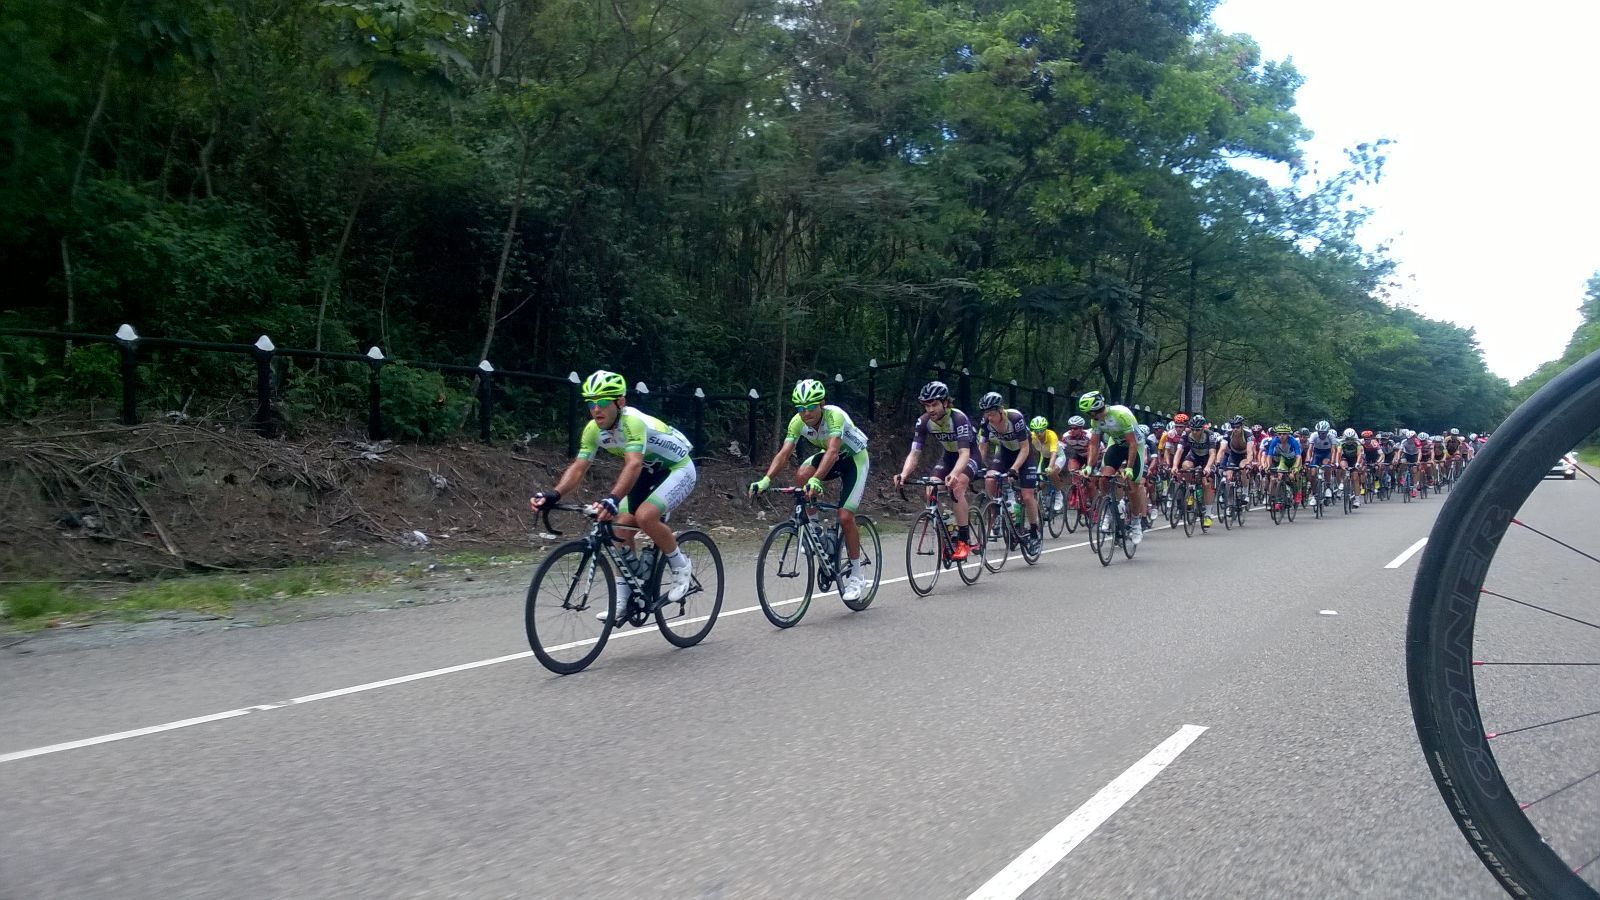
[
  {"x": 637, "y": 432},
  {"x": 835, "y": 423},
  {"x": 1117, "y": 425}
]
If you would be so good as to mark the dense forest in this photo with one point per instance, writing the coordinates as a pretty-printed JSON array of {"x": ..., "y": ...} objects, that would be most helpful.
[{"x": 713, "y": 193}]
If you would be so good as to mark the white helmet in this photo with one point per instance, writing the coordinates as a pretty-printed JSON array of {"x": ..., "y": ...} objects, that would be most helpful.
[
  {"x": 1323, "y": 427},
  {"x": 1473, "y": 436},
  {"x": 1144, "y": 430},
  {"x": 1424, "y": 437},
  {"x": 1455, "y": 432},
  {"x": 1348, "y": 433},
  {"x": 1077, "y": 422}
]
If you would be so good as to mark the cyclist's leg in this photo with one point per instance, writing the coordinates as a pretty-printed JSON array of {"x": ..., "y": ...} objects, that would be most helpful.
[{"x": 674, "y": 487}]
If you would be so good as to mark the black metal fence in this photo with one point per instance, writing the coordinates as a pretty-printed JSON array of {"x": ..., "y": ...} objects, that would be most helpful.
[{"x": 725, "y": 411}]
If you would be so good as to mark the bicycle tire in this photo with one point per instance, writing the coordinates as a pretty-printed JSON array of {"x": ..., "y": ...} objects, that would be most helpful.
[
  {"x": 585, "y": 613},
  {"x": 971, "y": 569},
  {"x": 1056, "y": 522},
  {"x": 803, "y": 560},
  {"x": 1442, "y": 619},
  {"x": 1072, "y": 516},
  {"x": 700, "y": 547},
  {"x": 1106, "y": 550},
  {"x": 995, "y": 517},
  {"x": 871, "y": 558},
  {"x": 925, "y": 539}
]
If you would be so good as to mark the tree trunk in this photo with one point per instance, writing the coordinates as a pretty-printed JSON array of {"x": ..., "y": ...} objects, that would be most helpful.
[
  {"x": 505, "y": 248},
  {"x": 350, "y": 224},
  {"x": 77, "y": 179}
]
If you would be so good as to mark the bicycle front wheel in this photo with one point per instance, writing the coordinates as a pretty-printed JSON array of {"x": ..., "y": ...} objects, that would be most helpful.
[
  {"x": 785, "y": 576},
  {"x": 926, "y": 551},
  {"x": 567, "y": 590},
  {"x": 1468, "y": 647},
  {"x": 1107, "y": 523},
  {"x": 972, "y": 567},
  {"x": 686, "y": 622},
  {"x": 869, "y": 570},
  {"x": 997, "y": 533}
]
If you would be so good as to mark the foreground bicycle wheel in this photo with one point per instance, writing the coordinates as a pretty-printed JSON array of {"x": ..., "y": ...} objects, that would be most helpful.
[
  {"x": 997, "y": 531},
  {"x": 871, "y": 559},
  {"x": 568, "y": 588},
  {"x": 1464, "y": 643},
  {"x": 925, "y": 553},
  {"x": 972, "y": 567},
  {"x": 687, "y": 621},
  {"x": 785, "y": 576}
]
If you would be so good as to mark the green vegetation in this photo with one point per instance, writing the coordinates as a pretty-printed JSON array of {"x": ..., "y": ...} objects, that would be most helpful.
[
  {"x": 713, "y": 193},
  {"x": 31, "y": 606}
]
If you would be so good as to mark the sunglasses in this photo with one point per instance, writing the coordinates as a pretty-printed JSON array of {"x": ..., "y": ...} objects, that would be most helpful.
[
  {"x": 598, "y": 404},
  {"x": 808, "y": 407}
]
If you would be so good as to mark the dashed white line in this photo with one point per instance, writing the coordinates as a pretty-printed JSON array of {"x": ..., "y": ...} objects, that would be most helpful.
[
  {"x": 1010, "y": 882},
  {"x": 1410, "y": 551}
]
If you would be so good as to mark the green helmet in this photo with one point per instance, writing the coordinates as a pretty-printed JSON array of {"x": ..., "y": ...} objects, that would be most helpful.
[
  {"x": 1038, "y": 423},
  {"x": 603, "y": 385},
  {"x": 808, "y": 391},
  {"x": 1092, "y": 402},
  {"x": 1283, "y": 429}
]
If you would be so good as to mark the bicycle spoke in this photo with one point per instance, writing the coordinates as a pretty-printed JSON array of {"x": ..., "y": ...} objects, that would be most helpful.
[
  {"x": 1537, "y": 607},
  {"x": 1492, "y": 735},
  {"x": 1568, "y": 786},
  {"x": 1516, "y": 521}
]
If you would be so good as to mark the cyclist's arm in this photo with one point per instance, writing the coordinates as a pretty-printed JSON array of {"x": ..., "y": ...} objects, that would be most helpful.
[
  {"x": 632, "y": 465},
  {"x": 571, "y": 477},
  {"x": 780, "y": 461},
  {"x": 829, "y": 457}
]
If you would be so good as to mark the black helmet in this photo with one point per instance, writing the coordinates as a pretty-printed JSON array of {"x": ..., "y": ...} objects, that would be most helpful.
[
  {"x": 934, "y": 390},
  {"x": 1197, "y": 422},
  {"x": 991, "y": 400}
]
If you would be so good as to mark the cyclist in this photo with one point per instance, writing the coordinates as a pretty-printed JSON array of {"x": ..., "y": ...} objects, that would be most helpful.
[
  {"x": 1319, "y": 450},
  {"x": 1200, "y": 447},
  {"x": 1351, "y": 453},
  {"x": 658, "y": 474},
  {"x": 841, "y": 452},
  {"x": 1044, "y": 444},
  {"x": 1410, "y": 456},
  {"x": 942, "y": 423},
  {"x": 1072, "y": 452},
  {"x": 1238, "y": 451},
  {"x": 1008, "y": 428},
  {"x": 1283, "y": 455},
  {"x": 1125, "y": 451}
]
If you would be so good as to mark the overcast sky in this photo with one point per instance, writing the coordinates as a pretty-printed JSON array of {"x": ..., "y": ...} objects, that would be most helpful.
[{"x": 1491, "y": 195}]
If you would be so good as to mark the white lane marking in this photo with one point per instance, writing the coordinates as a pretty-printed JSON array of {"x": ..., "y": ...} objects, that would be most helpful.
[
  {"x": 1410, "y": 551},
  {"x": 1049, "y": 850},
  {"x": 374, "y": 685}
]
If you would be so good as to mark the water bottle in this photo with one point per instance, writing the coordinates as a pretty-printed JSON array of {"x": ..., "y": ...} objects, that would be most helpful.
[
  {"x": 647, "y": 562},
  {"x": 1016, "y": 513},
  {"x": 1122, "y": 507},
  {"x": 830, "y": 543},
  {"x": 629, "y": 560}
]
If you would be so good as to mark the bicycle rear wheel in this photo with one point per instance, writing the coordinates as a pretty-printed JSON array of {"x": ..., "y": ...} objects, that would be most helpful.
[
  {"x": 567, "y": 590},
  {"x": 869, "y": 570},
  {"x": 925, "y": 553},
  {"x": 1453, "y": 653},
  {"x": 784, "y": 567},
  {"x": 686, "y": 622},
  {"x": 1055, "y": 513}
]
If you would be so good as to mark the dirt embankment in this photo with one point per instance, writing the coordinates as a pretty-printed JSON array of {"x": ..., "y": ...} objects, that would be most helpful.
[{"x": 99, "y": 502}]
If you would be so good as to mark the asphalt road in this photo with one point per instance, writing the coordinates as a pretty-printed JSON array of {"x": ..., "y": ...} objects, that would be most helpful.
[{"x": 915, "y": 750}]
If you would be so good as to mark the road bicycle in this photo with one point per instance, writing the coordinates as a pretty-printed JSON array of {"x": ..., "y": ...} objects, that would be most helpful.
[
  {"x": 1514, "y": 636},
  {"x": 1006, "y": 527},
  {"x": 576, "y": 581},
  {"x": 1053, "y": 511},
  {"x": 1109, "y": 521},
  {"x": 1281, "y": 504},
  {"x": 1191, "y": 500},
  {"x": 932, "y": 540},
  {"x": 802, "y": 547}
]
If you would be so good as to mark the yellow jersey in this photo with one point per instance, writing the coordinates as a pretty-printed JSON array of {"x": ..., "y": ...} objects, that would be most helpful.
[{"x": 1044, "y": 447}]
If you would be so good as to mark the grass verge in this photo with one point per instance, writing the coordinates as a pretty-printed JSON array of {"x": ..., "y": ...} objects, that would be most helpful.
[{"x": 29, "y": 607}]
